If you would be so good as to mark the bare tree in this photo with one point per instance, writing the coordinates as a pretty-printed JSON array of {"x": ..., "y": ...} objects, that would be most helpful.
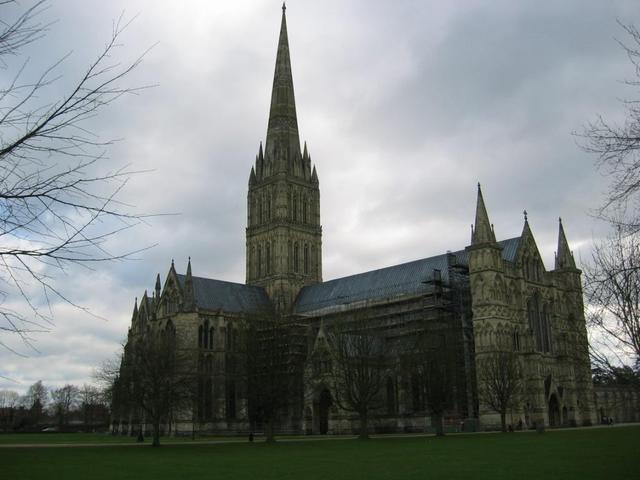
[
  {"x": 58, "y": 190},
  {"x": 360, "y": 360},
  {"x": 93, "y": 406},
  {"x": 8, "y": 404},
  {"x": 36, "y": 400},
  {"x": 499, "y": 382},
  {"x": 156, "y": 378},
  {"x": 64, "y": 400},
  {"x": 274, "y": 350},
  {"x": 612, "y": 289},
  {"x": 617, "y": 147},
  {"x": 426, "y": 364}
]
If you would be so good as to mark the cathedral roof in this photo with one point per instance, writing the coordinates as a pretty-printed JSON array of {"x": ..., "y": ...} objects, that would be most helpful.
[
  {"x": 390, "y": 283},
  {"x": 213, "y": 294}
]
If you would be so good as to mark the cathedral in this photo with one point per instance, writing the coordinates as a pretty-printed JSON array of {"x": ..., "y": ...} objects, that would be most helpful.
[{"x": 492, "y": 295}]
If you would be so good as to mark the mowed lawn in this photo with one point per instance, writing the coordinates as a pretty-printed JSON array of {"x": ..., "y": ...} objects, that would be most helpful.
[{"x": 602, "y": 453}]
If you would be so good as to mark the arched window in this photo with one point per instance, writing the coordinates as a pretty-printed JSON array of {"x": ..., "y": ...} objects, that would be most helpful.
[
  {"x": 211, "y": 338},
  {"x": 170, "y": 332},
  {"x": 306, "y": 259},
  {"x": 305, "y": 206},
  {"x": 535, "y": 321},
  {"x": 254, "y": 212},
  {"x": 205, "y": 338},
  {"x": 259, "y": 262},
  {"x": 516, "y": 341},
  {"x": 545, "y": 328},
  {"x": 295, "y": 257},
  {"x": 268, "y": 258},
  {"x": 295, "y": 207}
]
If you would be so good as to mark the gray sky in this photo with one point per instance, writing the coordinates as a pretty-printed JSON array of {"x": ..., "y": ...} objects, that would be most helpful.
[{"x": 405, "y": 106}]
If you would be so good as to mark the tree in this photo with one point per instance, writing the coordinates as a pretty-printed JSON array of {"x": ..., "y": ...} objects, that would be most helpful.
[
  {"x": 274, "y": 368},
  {"x": 58, "y": 195},
  {"x": 36, "y": 400},
  {"x": 426, "y": 365},
  {"x": 64, "y": 399},
  {"x": 360, "y": 360},
  {"x": 8, "y": 404},
  {"x": 617, "y": 148},
  {"x": 499, "y": 382},
  {"x": 94, "y": 406},
  {"x": 612, "y": 289},
  {"x": 155, "y": 378}
]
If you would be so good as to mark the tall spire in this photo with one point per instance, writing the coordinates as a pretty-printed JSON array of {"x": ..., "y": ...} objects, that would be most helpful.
[
  {"x": 283, "y": 141},
  {"x": 483, "y": 230},
  {"x": 564, "y": 257}
]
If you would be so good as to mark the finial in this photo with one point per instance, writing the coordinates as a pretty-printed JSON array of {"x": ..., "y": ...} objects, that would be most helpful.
[
  {"x": 560, "y": 220},
  {"x": 172, "y": 263},
  {"x": 478, "y": 185},
  {"x": 524, "y": 212},
  {"x": 284, "y": 7},
  {"x": 189, "y": 258}
]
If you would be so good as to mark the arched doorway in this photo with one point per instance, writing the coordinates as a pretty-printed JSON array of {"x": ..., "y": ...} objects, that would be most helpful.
[
  {"x": 324, "y": 404},
  {"x": 554, "y": 411}
]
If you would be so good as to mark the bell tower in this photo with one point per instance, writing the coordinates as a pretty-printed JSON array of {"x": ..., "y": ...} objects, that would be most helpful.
[{"x": 284, "y": 235}]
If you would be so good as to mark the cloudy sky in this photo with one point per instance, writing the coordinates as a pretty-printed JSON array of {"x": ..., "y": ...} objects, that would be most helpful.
[{"x": 405, "y": 106}]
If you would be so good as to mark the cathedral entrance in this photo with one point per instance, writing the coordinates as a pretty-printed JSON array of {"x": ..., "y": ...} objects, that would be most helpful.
[
  {"x": 554, "y": 411},
  {"x": 323, "y": 411}
]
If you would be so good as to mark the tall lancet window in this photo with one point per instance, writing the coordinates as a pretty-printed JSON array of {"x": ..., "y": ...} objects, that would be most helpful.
[{"x": 268, "y": 258}]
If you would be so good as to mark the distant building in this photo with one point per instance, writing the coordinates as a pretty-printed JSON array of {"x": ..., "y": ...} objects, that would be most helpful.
[{"x": 490, "y": 296}]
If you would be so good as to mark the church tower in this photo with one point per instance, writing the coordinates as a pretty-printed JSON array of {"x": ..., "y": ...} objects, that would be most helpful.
[{"x": 284, "y": 235}]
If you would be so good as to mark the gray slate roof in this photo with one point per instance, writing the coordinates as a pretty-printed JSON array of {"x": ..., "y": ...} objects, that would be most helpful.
[
  {"x": 213, "y": 294},
  {"x": 406, "y": 279}
]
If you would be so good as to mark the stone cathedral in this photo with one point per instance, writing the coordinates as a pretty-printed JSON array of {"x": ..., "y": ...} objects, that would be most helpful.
[{"x": 492, "y": 295}]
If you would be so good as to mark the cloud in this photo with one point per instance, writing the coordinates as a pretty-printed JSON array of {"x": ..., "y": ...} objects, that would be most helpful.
[{"x": 405, "y": 106}]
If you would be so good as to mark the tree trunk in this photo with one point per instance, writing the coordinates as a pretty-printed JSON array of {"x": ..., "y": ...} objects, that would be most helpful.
[
  {"x": 503, "y": 421},
  {"x": 269, "y": 431},
  {"x": 439, "y": 426},
  {"x": 364, "y": 426},
  {"x": 156, "y": 433}
]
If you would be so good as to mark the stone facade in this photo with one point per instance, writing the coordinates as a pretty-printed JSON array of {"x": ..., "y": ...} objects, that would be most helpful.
[{"x": 492, "y": 296}]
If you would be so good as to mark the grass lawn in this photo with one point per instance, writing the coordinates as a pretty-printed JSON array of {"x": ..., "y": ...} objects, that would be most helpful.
[{"x": 604, "y": 453}]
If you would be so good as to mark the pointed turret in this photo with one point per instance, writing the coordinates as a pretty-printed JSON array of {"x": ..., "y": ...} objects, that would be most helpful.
[
  {"x": 314, "y": 176},
  {"x": 283, "y": 142},
  {"x": 189, "y": 298},
  {"x": 483, "y": 230},
  {"x": 564, "y": 257},
  {"x": 252, "y": 177},
  {"x": 158, "y": 287},
  {"x": 135, "y": 309},
  {"x": 526, "y": 229}
]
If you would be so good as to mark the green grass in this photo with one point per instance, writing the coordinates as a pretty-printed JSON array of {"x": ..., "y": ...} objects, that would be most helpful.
[{"x": 606, "y": 453}]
